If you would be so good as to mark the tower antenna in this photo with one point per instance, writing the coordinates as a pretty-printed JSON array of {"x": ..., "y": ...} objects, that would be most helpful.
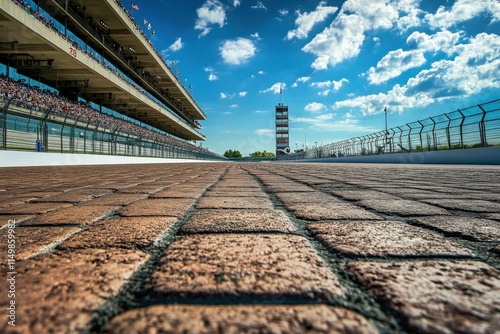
[{"x": 281, "y": 94}]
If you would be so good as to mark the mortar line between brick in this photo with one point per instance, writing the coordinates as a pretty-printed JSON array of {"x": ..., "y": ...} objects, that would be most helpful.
[
  {"x": 358, "y": 298},
  {"x": 127, "y": 298}
]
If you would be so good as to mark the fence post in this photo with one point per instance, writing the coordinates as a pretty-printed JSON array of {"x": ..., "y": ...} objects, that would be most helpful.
[
  {"x": 482, "y": 128},
  {"x": 420, "y": 135},
  {"x": 434, "y": 144},
  {"x": 461, "y": 129},
  {"x": 409, "y": 137}
]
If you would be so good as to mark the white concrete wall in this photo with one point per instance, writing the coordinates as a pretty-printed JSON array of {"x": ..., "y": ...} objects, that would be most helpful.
[
  {"x": 479, "y": 156},
  {"x": 20, "y": 159}
]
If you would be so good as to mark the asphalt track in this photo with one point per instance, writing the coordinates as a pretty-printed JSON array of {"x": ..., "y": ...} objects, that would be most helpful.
[{"x": 251, "y": 248}]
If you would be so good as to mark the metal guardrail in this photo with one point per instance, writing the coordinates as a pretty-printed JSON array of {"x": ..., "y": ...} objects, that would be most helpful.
[
  {"x": 472, "y": 127},
  {"x": 45, "y": 130}
]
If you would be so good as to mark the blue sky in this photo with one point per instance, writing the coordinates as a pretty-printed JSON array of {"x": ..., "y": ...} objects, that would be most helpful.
[{"x": 339, "y": 63}]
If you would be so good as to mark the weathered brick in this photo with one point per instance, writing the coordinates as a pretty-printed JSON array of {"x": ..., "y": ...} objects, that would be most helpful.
[
  {"x": 234, "y": 203},
  {"x": 237, "y": 220},
  {"x": 468, "y": 227},
  {"x": 32, "y": 208},
  {"x": 225, "y": 265},
  {"x": 172, "y": 207},
  {"x": 7, "y": 219},
  {"x": 326, "y": 211},
  {"x": 403, "y": 207},
  {"x": 125, "y": 232},
  {"x": 308, "y": 197},
  {"x": 72, "y": 215},
  {"x": 240, "y": 319},
  {"x": 31, "y": 239},
  {"x": 474, "y": 205},
  {"x": 55, "y": 292},
  {"x": 289, "y": 187},
  {"x": 382, "y": 238},
  {"x": 437, "y": 296},
  {"x": 116, "y": 199},
  {"x": 75, "y": 196},
  {"x": 180, "y": 191},
  {"x": 360, "y": 194},
  {"x": 144, "y": 188}
]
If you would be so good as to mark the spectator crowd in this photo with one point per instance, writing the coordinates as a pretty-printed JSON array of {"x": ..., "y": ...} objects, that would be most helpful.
[
  {"x": 103, "y": 34},
  {"x": 45, "y": 100}
]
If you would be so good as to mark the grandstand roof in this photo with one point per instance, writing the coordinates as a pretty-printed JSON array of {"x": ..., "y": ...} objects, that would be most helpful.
[{"x": 32, "y": 47}]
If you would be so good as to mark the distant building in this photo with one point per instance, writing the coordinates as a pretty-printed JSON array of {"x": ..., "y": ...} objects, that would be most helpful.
[{"x": 282, "y": 130}]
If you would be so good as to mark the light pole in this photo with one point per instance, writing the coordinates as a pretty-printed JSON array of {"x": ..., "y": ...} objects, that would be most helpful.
[{"x": 386, "y": 131}]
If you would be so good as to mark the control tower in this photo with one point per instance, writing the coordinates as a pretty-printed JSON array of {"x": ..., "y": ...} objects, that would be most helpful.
[{"x": 282, "y": 130}]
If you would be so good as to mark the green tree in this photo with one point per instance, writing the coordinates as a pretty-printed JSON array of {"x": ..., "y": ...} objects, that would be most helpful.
[
  {"x": 232, "y": 154},
  {"x": 263, "y": 154}
]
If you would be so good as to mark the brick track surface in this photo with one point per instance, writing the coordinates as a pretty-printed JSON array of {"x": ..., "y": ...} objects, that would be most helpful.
[{"x": 251, "y": 248}]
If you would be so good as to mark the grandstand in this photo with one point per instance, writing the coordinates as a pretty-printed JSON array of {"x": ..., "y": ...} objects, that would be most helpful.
[{"x": 101, "y": 74}]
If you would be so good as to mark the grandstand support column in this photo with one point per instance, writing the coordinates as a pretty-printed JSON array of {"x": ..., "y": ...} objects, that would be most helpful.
[
  {"x": 45, "y": 131},
  {"x": 62, "y": 132},
  {"x": 85, "y": 137},
  {"x": 155, "y": 148},
  {"x": 94, "y": 138},
  {"x": 127, "y": 145},
  {"x": 72, "y": 134},
  {"x": 3, "y": 124}
]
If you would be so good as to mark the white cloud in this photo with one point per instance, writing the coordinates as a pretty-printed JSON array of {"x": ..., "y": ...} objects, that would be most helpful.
[
  {"x": 302, "y": 80},
  {"x": 306, "y": 21},
  {"x": 233, "y": 106},
  {"x": 322, "y": 84},
  {"x": 212, "y": 77},
  {"x": 265, "y": 132},
  {"x": 261, "y": 72},
  {"x": 275, "y": 89},
  {"x": 242, "y": 94},
  {"x": 463, "y": 10},
  {"x": 177, "y": 45},
  {"x": 210, "y": 13},
  {"x": 395, "y": 63},
  {"x": 223, "y": 96},
  {"x": 336, "y": 85},
  {"x": 236, "y": 3},
  {"x": 238, "y": 51},
  {"x": 283, "y": 12},
  {"x": 256, "y": 36},
  {"x": 475, "y": 68},
  {"x": 344, "y": 37},
  {"x": 259, "y": 5},
  {"x": 398, "y": 61},
  {"x": 410, "y": 14},
  {"x": 324, "y": 123},
  {"x": 314, "y": 107},
  {"x": 443, "y": 40}
]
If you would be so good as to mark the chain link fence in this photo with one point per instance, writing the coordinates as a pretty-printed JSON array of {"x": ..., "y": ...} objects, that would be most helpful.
[{"x": 473, "y": 127}]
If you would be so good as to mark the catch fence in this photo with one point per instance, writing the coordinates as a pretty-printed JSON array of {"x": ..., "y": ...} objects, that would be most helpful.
[{"x": 472, "y": 127}]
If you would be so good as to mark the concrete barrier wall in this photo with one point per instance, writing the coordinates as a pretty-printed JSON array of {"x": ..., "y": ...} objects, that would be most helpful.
[
  {"x": 479, "y": 156},
  {"x": 20, "y": 159}
]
